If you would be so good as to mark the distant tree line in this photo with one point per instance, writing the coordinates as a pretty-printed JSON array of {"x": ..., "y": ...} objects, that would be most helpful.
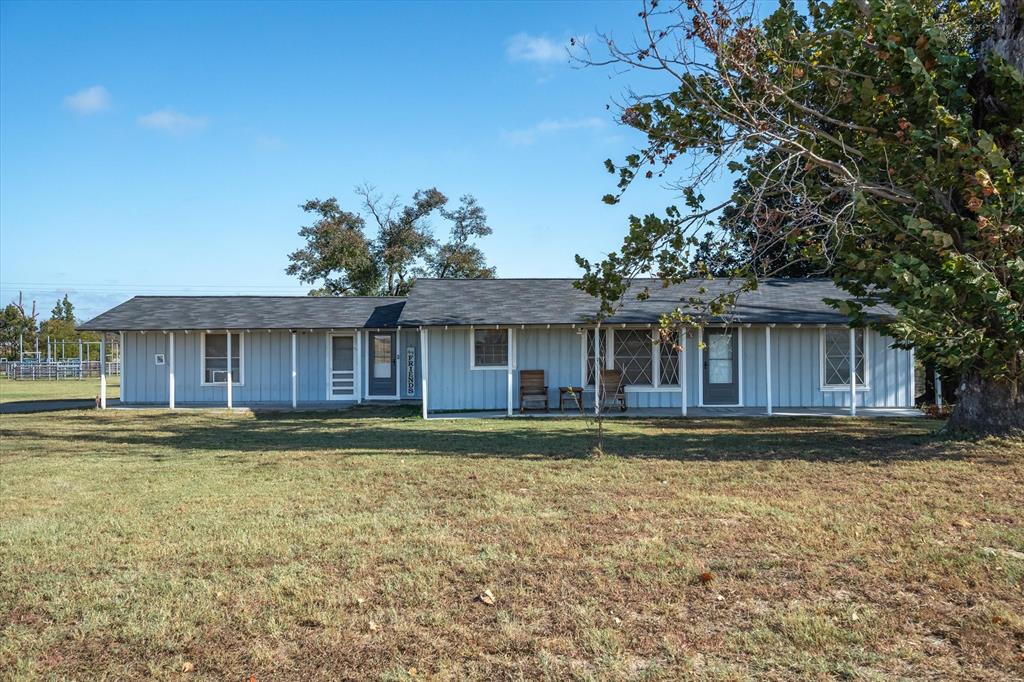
[{"x": 20, "y": 328}]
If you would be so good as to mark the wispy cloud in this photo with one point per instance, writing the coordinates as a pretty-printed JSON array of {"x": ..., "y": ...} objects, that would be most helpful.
[
  {"x": 173, "y": 122},
  {"x": 88, "y": 101},
  {"x": 526, "y": 136},
  {"x": 522, "y": 47},
  {"x": 264, "y": 141}
]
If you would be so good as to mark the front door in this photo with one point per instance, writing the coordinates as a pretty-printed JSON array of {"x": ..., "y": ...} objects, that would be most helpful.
[
  {"x": 343, "y": 368},
  {"x": 381, "y": 365},
  {"x": 721, "y": 367}
]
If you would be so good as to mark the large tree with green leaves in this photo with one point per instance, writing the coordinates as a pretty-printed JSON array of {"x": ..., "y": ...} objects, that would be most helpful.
[
  {"x": 342, "y": 260},
  {"x": 882, "y": 139}
]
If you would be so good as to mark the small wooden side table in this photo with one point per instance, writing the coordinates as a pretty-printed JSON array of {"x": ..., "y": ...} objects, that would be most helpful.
[{"x": 574, "y": 394}]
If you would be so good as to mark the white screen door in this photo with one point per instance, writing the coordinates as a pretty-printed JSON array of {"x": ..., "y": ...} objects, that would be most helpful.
[{"x": 343, "y": 375}]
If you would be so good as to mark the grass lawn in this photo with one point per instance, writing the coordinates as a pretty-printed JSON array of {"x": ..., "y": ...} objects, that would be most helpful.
[
  {"x": 203, "y": 545},
  {"x": 65, "y": 389}
]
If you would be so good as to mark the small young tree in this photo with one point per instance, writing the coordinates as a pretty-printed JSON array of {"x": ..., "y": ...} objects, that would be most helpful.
[
  {"x": 344, "y": 261},
  {"x": 882, "y": 140}
]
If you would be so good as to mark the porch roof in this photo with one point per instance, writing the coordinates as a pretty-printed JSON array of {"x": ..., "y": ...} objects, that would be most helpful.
[
  {"x": 435, "y": 302},
  {"x": 152, "y": 313}
]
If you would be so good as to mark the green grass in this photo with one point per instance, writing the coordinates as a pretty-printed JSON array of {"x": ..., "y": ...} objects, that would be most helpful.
[
  {"x": 207, "y": 545},
  {"x": 65, "y": 389}
]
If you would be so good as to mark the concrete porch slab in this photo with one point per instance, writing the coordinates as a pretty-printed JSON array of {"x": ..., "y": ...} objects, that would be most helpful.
[{"x": 696, "y": 412}]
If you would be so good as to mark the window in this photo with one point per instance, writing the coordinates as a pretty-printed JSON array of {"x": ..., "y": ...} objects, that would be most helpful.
[
  {"x": 633, "y": 356},
  {"x": 382, "y": 359},
  {"x": 720, "y": 361},
  {"x": 835, "y": 358},
  {"x": 490, "y": 349},
  {"x": 215, "y": 358},
  {"x": 638, "y": 354},
  {"x": 590, "y": 353},
  {"x": 669, "y": 363}
]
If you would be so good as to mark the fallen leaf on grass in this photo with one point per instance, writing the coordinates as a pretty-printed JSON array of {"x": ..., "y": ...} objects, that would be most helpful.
[
  {"x": 373, "y": 626},
  {"x": 993, "y": 551},
  {"x": 187, "y": 667},
  {"x": 706, "y": 577},
  {"x": 487, "y": 597}
]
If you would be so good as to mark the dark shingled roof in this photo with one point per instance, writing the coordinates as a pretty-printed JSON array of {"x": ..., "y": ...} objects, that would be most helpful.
[
  {"x": 556, "y": 301},
  {"x": 248, "y": 312},
  {"x": 435, "y": 302}
]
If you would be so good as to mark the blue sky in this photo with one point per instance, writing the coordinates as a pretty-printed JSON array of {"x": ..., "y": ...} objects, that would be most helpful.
[{"x": 165, "y": 148}]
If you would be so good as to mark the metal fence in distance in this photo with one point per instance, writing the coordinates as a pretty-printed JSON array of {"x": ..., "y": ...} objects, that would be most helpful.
[{"x": 65, "y": 369}]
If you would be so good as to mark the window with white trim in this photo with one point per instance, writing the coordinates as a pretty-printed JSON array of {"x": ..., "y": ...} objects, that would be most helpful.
[
  {"x": 215, "y": 358},
  {"x": 835, "y": 358},
  {"x": 490, "y": 349},
  {"x": 634, "y": 355}
]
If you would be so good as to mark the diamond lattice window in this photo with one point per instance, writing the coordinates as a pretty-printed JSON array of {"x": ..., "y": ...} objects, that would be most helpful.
[
  {"x": 669, "y": 363},
  {"x": 590, "y": 354},
  {"x": 633, "y": 356},
  {"x": 837, "y": 357}
]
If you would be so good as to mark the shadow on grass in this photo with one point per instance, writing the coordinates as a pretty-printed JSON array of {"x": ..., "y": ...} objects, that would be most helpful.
[{"x": 396, "y": 430}]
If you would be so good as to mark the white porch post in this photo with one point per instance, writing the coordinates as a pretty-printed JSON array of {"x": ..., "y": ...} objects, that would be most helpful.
[
  {"x": 103, "y": 371},
  {"x": 423, "y": 369},
  {"x": 357, "y": 366},
  {"x": 682, "y": 368},
  {"x": 938, "y": 388},
  {"x": 295, "y": 375},
  {"x": 170, "y": 372},
  {"x": 768, "y": 364},
  {"x": 229, "y": 369},
  {"x": 853, "y": 372},
  {"x": 597, "y": 370},
  {"x": 508, "y": 374}
]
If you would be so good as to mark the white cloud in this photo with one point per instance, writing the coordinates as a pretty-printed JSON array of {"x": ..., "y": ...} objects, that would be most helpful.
[
  {"x": 523, "y": 47},
  {"x": 173, "y": 122},
  {"x": 88, "y": 101},
  {"x": 525, "y": 136}
]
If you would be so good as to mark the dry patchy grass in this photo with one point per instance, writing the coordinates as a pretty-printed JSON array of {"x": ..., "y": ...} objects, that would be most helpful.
[{"x": 355, "y": 545}]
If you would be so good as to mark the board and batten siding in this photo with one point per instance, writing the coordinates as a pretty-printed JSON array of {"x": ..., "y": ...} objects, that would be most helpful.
[
  {"x": 267, "y": 372},
  {"x": 796, "y": 371}
]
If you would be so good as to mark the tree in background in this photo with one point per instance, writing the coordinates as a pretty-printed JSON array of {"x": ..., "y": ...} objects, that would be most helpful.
[
  {"x": 882, "y": 140},
  {"x": 459, "y": 257},
  {"x": 61, "y": 325},
  {"x": 17, "y": 327},
  {"x": 344, "y": 261}
]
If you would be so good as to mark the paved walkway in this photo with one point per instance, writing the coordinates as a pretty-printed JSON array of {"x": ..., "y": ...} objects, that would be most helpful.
[{"x": 51, "y": 405}]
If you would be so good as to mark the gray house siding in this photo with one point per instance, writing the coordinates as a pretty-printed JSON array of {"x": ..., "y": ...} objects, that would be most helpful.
[
  {"x": 796, "y": 371},
  {"x": 266, "y": 376},
  {"x": 453, "y": 385}
]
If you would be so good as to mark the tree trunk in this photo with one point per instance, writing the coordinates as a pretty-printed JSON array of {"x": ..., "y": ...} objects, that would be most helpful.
[{"x": 985, "y": 406}]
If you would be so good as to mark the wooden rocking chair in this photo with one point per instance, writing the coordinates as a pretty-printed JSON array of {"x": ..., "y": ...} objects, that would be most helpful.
[
  {"x": 532, "y": 387},
  {"x": 613, "y": 391}
]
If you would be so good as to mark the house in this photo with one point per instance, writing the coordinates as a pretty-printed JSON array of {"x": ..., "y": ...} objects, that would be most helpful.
[{"x": 459, "y": 345}]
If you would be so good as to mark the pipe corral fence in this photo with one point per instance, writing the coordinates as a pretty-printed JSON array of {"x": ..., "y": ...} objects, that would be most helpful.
[{"x": 62, "y": 359}]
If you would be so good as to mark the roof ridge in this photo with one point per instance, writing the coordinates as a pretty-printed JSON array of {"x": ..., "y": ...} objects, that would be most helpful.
[{"x": 296, "y": 296}]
